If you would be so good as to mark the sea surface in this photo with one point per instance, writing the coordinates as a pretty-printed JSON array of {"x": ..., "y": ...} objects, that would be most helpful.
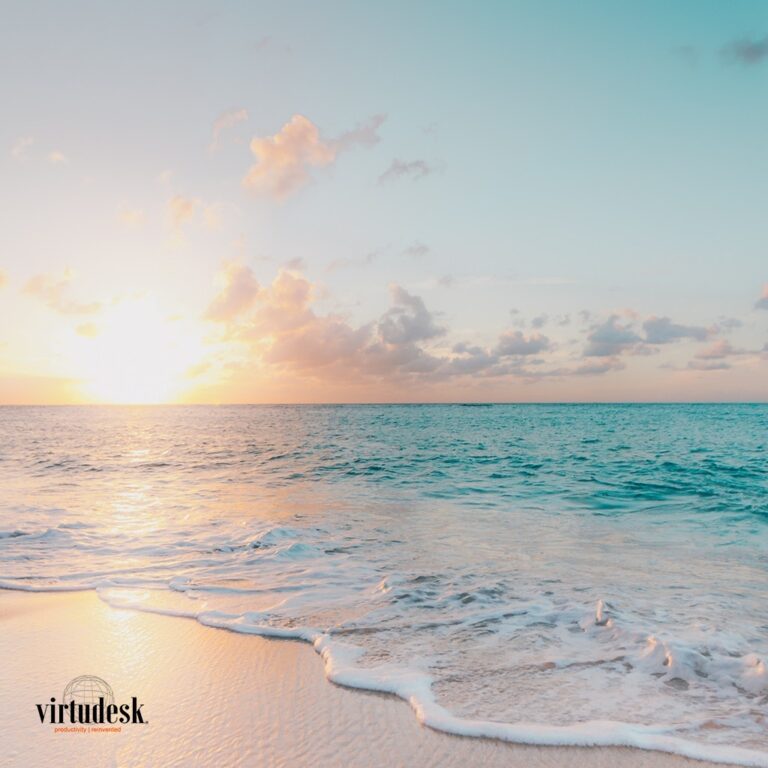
[{"x": 571, "y": 574}]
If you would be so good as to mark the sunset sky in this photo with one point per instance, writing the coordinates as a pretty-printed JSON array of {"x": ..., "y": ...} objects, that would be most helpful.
[{"x": 429, "y": 201}]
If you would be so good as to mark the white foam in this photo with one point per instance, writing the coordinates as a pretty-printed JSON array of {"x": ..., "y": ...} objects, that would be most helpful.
[
  {"x": 22, "y": 586},
  {"x": 415, "y": 687}
]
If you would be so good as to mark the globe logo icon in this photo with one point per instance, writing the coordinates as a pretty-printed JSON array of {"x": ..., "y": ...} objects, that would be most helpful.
[{"x": 88, "y": 689}]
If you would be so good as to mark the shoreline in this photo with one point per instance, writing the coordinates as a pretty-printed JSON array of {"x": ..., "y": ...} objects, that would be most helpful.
[{"x": 227, "y": 698}]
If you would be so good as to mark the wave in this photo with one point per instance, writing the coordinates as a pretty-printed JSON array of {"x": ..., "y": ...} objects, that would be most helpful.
[{"x": 415, "y": 688}]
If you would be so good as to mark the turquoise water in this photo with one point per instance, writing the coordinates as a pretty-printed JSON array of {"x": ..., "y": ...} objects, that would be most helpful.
[{"x": 544, "y": 567}]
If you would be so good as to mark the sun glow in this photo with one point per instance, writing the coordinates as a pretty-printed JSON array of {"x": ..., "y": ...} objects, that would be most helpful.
[{"x": 135, "y": 354}]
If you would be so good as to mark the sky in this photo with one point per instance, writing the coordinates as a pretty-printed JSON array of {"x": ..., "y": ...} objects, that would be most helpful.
[{"x": 247, "y": 202}]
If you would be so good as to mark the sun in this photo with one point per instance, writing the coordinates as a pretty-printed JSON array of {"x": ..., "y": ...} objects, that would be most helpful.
[{"x": 135, "y": 354}]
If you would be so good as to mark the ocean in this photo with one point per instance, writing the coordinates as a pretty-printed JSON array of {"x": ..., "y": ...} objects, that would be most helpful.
[{"x": 552, "y": 574}]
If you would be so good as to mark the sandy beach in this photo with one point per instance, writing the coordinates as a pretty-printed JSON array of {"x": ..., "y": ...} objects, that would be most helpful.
[{"x": 216, "y": 698}]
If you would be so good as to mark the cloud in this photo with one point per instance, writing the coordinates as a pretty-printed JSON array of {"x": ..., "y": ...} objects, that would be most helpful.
[
  {"x": 284, "y": 161},
  {"x": 237, "y": 295},
  {"x": 224, "y": 122},
  {"x": 762, "y": 302},
  {"x": 184, "y": 210},
  {"x": 719, "y": 350},
  {"x": 416, "y": 251},
  {"x": 280, "y": 326},
  {"x": 53, "y": 292},
  {"x": 715, "y": 356},
  {"x": 515, "y": 343},
  {"x": 708, "y": 365},
  {"x": 288, "y": 333},
  {"x": 747, "y": 51},
  {"x": 212, "y": 215},
  {"x": 610, "y": 338},
  {"x": 345, "y": 263},
  {"x": 131, "y": 217},
  {"x": 413, "y": 169},
  {"x": 597, "y": 369},
  {"x": 281, "y": 333},
  {"x": 319, "y": 343},
  {"x": 364, "y": 134},
  {"x": 180, "y": 211},
  {"x": 58, "y": 158},
  {"x": 3, "y": 278},
  {"x": 285, "y": 158},
  {"x": 88, "y": 330},
  {"x": 296, "y": 264},
  {"x": 727, "y": 324},
  {"x": 470, "y": 360},
  {"x": 408, "y": 320},
  {"x": 197, "y": 370},
  {"x": 21, "y": 145},
  {"x": 284, "y": 330},
  {"x": 661, "y": 330}
]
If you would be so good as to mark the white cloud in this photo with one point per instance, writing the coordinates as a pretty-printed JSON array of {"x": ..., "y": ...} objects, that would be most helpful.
[
  {"x": 57, "y": 158},
  {"x": 20, "y": 147},
  {"x": 412, "y": 169},
  {"x": 224, "y": 122}
]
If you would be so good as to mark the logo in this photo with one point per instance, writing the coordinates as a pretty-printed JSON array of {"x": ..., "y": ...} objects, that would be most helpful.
[{"x": 89, "y": 701}]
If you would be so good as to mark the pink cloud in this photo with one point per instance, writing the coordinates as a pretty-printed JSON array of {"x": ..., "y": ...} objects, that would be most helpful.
[
  {"x": 54, "y": 292},
  {"x": 283, "y": 330},
  {"x": 238, "y": 293},
  {"x": 722, "y": 349},
  {"x": 284, "y": 161},
  {"x": 407, "y": 345},
  {"x": 181, "y": 210}
]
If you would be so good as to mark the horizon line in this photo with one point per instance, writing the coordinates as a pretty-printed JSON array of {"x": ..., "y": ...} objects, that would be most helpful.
[{"x": 386, "y": 403}]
